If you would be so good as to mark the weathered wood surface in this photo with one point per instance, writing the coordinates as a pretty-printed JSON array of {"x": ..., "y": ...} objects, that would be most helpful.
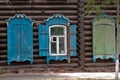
[{"x": 39, "y": 11}]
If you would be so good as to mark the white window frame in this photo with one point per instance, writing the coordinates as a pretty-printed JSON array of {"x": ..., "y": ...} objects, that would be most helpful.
[{"x": 57, "y": 43}]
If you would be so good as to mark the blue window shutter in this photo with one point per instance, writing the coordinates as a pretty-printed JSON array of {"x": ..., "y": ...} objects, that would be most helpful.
[
  {"x": 73, "y": 40},
  {"x": 13, "y": 41},
  {"x": 20, "y": 39},
  {"x": 27, "y": 42},
  {"x": 20, "y": 43},
  {"x": 43, "y": 40}
]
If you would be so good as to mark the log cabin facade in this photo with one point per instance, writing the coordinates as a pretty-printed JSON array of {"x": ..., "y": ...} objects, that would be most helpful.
[{"x": 39, "y": 11}]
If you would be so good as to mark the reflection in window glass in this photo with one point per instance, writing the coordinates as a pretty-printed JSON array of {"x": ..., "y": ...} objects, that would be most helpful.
[
  {"x": 57, "y": 31},
  {"x": 61, "y": 45},
  {"x": 54, "y": 38},
  {"x": 53, "y": 48},
  {"x": 58, "y": 40}
]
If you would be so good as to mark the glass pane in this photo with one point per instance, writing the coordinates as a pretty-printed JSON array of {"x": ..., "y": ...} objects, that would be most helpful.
[
  {"x": 53, "y": 48},
  {"x": 54, "y": 38},
  {"x": 61, "y": 45},
  {"x": 57, "y": 31}
]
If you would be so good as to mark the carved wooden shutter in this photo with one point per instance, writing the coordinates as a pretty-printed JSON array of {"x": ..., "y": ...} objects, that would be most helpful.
[
  {"x": 43, "y": 40},
  {"x": 20, "y": 39},
  {"x": 73, "y": 40},
  {"x": 103, "y": 37}
]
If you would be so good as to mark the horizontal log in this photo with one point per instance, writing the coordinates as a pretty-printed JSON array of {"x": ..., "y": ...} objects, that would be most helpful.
[
  {"x": 3, "y": 29},
  {"x": 36, "y": 17},
  {"x": 88, "y": 32},
  {"x": 91, "y": 17},
  {"x": 3, "y": 24},
  {"x": 35, "y": 33},
  {"x": 3, "y": 41},
  {"x": 73, "y": 22},
  {"x": 87, "y": 27},
  {"x": 108, "y": 64},
  {"x": 65, "y": 65},
  {"x": 100, "y": 69},
  {"x": 88, "y": 43},
  {"x": 60, "y": 11},
  {"x": 35, "y": 44},
  {"x": 40, "y": 70},
  {"x": 2, "y": 0},
  {"x": 37, "y": 12},
  {"x": 88, "y": 53},
  {"x": 3, "y": 45},
  {"x": 37, "y": 7},
  {"x": 3, "y": 34},
  {"x": 88, "y": 38},
  {"x": 88, "y": 48},
  {"x": 35, "y": 50},
  {"x": 41, "y": 2},
  {"x": 88, "y": 59},
  {"x": 3, "y": 61}
]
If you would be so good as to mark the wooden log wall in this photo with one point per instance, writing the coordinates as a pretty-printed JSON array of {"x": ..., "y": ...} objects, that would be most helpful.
[{"x": 40, "y": 10}]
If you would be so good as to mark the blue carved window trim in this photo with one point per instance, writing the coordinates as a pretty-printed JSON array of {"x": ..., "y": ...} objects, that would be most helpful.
[{"x": 44, "y": 38}]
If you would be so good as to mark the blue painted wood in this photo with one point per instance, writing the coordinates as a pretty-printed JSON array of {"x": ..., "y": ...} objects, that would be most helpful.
[
  {"x": 56, "y": 58},
  {"x": 56, "y": 19},
  {"x": 73, "y": 40},
  {"x": 43, "y": 40},
  {"x": 20, "y": 39}
]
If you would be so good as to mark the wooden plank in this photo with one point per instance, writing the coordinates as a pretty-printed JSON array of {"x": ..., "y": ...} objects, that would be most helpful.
[
  {"x": 3, "y": 51},
  {"x": 99, "y": 69},
  {"x": 88, "y": 59},
  {"x": 3, "y": 46},
  {"x": 100, "y": 64},
  {"x": 3, "y": 34},
  {"x": 41, "y": 65},
  {"x": 39, "y": 6},
  {"x": 88, "y": 38},
  {"x": 88, "y": 43},
  {"x": 88, "y": 32},
  {"x": 88, "y": 53}
]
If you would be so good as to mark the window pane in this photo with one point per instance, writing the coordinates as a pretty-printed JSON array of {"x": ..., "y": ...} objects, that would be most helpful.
[
  {"x": 54, "y": 38},
  {"x": 61, "y": 45},
  {"x": 57, "y": 31},
  {"x": 53, "y": 48}
]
